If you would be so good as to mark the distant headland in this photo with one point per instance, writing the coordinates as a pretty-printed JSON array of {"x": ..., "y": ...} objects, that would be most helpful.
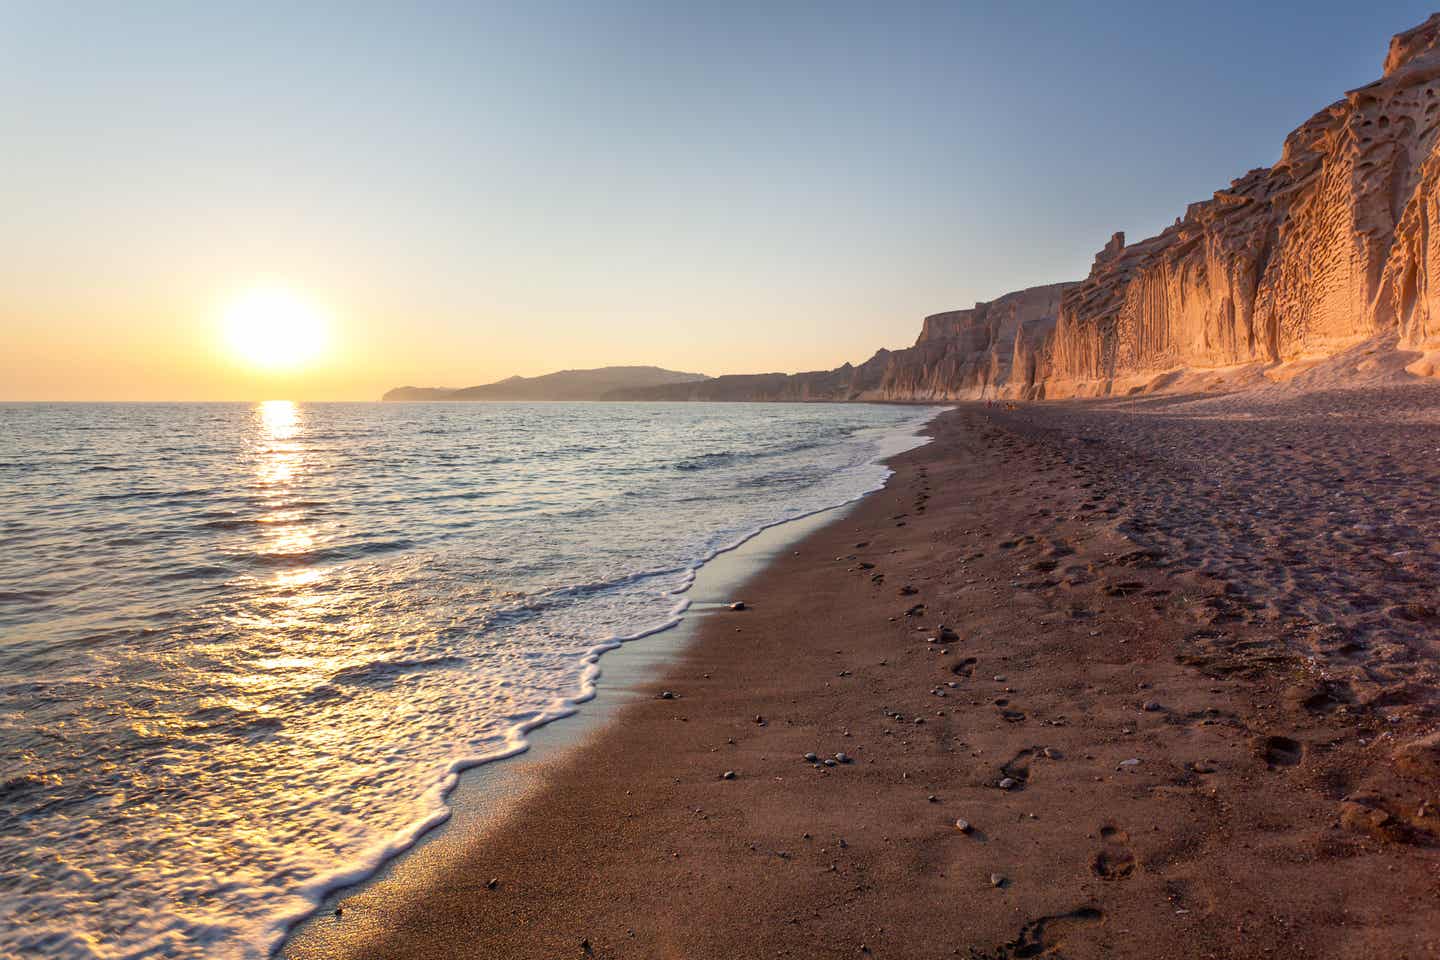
[{"x": 602, "y": 383}]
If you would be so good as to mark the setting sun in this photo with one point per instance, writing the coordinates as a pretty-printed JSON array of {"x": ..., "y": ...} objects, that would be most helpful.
[{"x": 274, "y": 329}]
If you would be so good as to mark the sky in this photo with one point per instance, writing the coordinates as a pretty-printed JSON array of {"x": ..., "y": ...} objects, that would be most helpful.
[{"x": 456, "y": 193}]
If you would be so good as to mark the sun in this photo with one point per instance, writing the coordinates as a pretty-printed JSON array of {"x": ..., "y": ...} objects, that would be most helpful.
[{"x": 275, "y": 329}]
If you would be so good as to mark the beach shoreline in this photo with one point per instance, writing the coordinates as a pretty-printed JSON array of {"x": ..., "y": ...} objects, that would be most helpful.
[
  {"x": 615, "y": 673},
  {"x": 486, "y": 790},
  {"x": 1141, "y": 767}
]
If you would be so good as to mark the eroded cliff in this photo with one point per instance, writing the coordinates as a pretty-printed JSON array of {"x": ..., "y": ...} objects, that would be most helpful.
[
  {"x": 1335, "y": 244},
  {"x": 1330, "y": 246}
]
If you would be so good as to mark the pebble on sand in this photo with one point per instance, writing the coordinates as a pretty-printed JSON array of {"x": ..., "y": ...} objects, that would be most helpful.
[
  {"x": 1009, "y": 783},
  {"x": 1152, "y": 706},
  {"x": 728, "y": 775},
  {"x": 996, "y": 880},
  {"x": 963, "y": 825},
  {"x": 667, "y": 695},
  {"x": 811, "y": 758},
  {"x": 738, "y": 605},
  {"x": 842, "y": 757}
]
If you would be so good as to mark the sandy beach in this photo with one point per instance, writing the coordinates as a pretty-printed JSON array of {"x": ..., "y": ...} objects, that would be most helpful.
[{"x": 1134, "y": 679}]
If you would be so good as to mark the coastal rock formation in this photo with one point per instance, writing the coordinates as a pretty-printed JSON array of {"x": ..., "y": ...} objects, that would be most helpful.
[
  {"x": 961, "y": 354},
  {"x": 972, "y": 353},
  {"x": 1333, "y": 245}
]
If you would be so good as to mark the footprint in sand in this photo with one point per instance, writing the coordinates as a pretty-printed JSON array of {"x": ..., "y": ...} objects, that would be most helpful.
[
  {"x": 1017, "y": 769},
  {"x": 1007, "y": 712},
  {"x": 1320, "y": 696},
  {"x": 1113, "y": 861},
  {"x": 1043, "y": 936},
  {"x": 1281, "y": 751}
]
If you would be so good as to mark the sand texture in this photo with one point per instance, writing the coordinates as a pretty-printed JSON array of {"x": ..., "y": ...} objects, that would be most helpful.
[{"x": 1171, "y": 662}]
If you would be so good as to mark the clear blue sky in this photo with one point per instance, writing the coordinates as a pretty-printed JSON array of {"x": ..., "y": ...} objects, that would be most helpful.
[{"x": 476, "y": 190}]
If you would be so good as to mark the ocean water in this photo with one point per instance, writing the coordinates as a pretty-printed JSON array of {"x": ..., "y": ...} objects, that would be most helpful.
[{"x": 245, "y": 648}]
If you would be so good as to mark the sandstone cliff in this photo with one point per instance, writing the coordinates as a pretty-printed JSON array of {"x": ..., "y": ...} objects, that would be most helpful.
[
  {"x": 1333, "y": 245},
  {"x": 962, "y": 354},
  {"x": 1330, "y": 246}
]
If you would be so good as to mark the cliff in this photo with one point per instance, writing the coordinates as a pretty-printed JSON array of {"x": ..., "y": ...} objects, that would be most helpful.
[
  {"x": 597, "y": 384},
  {"x": 1291, "y": 264},
  {"x": 962, "y": 354},
  {"x": 1332, "y": 245}
]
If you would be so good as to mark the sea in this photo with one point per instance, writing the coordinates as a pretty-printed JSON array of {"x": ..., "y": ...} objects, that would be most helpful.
[{"x": 246, "y": 648}]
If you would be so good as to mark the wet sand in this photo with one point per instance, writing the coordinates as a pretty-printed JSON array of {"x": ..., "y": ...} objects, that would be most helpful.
[{"x": 1141, "y": 648}]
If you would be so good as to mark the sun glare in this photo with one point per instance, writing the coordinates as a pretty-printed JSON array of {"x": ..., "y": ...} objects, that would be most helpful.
[{"x": 275, "y": 329}]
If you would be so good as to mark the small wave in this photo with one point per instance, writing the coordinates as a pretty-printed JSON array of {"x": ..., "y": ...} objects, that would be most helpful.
[
  {"x": 231, "y": 722},
  {"x": 176, "y": 495},
  {"x": 720, "y": 458},
  {"x": 793, "y": 480},
  {"x": 706, "y": 460},
  {"x": 26, "y": 596},
  {"x": 199, "y": 571},
  {"x": 302, "y": 558},
  {"x": 386, "y": 672},
  {"x": 245, "y": 523},
  {"x": 235, "y": 523}
]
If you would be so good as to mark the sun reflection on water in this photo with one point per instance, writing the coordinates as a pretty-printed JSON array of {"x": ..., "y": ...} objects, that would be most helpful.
[{"x": 280, "y": 459}]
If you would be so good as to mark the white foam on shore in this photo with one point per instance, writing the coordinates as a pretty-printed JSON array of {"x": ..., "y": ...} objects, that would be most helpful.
[{"x": 890, "y": 443}]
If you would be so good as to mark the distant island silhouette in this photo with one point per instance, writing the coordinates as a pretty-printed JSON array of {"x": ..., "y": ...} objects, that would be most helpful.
[{"x": 602, "y": 383}]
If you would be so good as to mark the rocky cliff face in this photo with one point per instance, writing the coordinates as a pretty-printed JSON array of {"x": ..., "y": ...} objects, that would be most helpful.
[
  {"x": 1338, "y": 242},
  {"x": 967, "y": 354},
  {"x": 962, "y": 354},
  {"x": 1332, "y": 245}
]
